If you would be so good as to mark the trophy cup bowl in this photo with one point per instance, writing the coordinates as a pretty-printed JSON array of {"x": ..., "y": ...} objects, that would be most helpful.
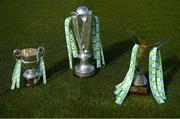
[
  {"x": 30, "y": 58},
  {"x": 81, "y": 22}
]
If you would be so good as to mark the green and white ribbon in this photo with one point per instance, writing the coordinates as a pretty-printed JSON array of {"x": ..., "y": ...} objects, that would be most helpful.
[
  {"x": 43, "y": 69},
  {"x": 71, "y": 46},
  {"x": 96, "y": 42},
  {"x": 156, "y": 75},
  {"x": 16, "y": 75},
  {"x": 123, "y": 88}
]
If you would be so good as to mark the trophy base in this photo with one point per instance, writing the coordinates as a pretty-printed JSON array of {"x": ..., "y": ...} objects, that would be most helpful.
[
  {"x": 31, "y": 82},
  {"x": 31, "y": 77},
  {"x": 84, "y": 71},
  {"x": 139, "y": 90}
]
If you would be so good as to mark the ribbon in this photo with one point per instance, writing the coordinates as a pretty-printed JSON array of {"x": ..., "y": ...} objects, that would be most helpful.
[
  {"x": 97, "y": 45},
  {"x": 156, "y": 76},
  {"x": 96, "y": 42},
  {"x": 42, "y": 69},
  {"x": 16, "y": 75},
  {"x": 123, "y": 88}
]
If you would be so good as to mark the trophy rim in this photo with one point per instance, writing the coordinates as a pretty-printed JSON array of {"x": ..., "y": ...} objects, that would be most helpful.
[
  {"x": 74, "y": 13},
  {"x": 26, "y": 52}
]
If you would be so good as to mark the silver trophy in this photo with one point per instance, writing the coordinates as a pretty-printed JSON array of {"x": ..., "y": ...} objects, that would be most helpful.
[
  {"x": 81, "y": 21},
  {"x": 142, "y": 59},
  {"x": 30, "y": 58},
  {"x": 140, "y": 83}
]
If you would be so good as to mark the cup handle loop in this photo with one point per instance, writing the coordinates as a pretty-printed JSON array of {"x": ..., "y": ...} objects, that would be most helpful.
[
  {"x": 41, "y": 51},
  {"x": 17, "y": 54}
]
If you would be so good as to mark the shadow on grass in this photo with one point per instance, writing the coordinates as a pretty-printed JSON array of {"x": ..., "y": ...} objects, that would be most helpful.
[
  {"x": 57, "y": 67},
  {"x": 171, "y": 67},
  {"x": 116, "y": 50}
]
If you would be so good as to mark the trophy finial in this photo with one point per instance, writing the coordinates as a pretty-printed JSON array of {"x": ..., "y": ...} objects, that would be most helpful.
[{"x": 82, "y": 10}]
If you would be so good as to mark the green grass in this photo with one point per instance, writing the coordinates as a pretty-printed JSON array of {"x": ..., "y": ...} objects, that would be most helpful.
[{"x": 33, "y": 23}]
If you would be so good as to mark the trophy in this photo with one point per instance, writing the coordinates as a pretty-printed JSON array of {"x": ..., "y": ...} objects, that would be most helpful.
[
  {"x": 140, "y": 82},
  {"x": 144, "y": 56},
  {"x": 33, "y": 63},
  {"x": 81, "y": 21},
  {"x": 82, "y": 28}
]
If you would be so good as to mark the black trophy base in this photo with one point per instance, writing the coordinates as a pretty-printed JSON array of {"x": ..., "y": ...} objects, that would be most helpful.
[{"x": 139, "y": 90}]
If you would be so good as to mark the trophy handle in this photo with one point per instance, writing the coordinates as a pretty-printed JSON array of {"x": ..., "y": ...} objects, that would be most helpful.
[
  {"x": 17, "y": 54},
  {"x": 41, "y": 51},
  {"x": 162, "y": 42}
]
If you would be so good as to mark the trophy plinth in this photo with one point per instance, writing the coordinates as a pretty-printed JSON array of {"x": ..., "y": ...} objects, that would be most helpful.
[
  {"x": 81, "y": 21},
  {"x": 140, "y": 84},
  {"x": 30, "y": 58},
  {"x": 139, "y": 90}
]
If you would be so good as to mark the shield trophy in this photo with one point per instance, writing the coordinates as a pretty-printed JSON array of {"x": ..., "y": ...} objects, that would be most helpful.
[
  {"x": 30, "y": 58},
  {"x": 81, "y": 22}
]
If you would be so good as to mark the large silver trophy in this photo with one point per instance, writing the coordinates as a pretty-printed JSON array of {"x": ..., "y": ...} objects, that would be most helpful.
[
  {"x": 30, "y": 59},
  {"x": 81, "y": 22}
]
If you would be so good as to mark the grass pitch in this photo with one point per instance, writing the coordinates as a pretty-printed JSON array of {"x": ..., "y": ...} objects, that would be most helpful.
[{"x": 33, "y": 23}]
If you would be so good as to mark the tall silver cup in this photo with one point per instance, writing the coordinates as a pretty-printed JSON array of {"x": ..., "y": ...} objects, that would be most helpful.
[
  {"x": 81, "y": 22},
  {"x": 30, "y": 58}
]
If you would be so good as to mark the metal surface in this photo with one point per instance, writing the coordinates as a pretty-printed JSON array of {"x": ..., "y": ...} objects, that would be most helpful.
[
  {"x": 142, "y": 62},
  {"x": 84, "y": 70},
  {"x": 30, "y": 58},
  {"x": 81, "y": 21},
  {"x": 82, "y": 10},
  {"x": 139, "y": 79}
]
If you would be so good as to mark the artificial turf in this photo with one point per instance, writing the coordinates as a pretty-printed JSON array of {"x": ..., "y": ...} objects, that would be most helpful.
[{"x": 33, "y": 23}]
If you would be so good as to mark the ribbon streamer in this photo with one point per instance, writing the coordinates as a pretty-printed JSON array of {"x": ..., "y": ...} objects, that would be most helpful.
[
  {"x": 155, "y": 77},
  {"x": 43, "y": 69},
  {"x": 123, "y": 88},
  {"x": 16, "y": 75},
  {"x": 96, "y": 42}
]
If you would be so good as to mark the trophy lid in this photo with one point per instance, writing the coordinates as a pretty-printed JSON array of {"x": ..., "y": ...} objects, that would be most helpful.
[{"x": 82, "y": 10}]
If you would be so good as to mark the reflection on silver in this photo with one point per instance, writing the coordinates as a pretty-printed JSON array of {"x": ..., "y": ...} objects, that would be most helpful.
[
  {"x": 30, "y": 58},
  {"x": 139, "y": 79},
  {"x": 81, "y": 21}
]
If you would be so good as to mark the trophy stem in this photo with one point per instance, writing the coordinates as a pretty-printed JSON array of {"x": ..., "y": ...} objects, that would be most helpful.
[
  {"x": 84, "y": 69},
  {"x": 84, "y": 62}
]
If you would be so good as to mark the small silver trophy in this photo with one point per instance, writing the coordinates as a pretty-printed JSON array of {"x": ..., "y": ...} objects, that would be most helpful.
[
  {"x": 140, "y": 83},
  {"x": 81, "y": 21},
  {"x": 30, "y": 59}
]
